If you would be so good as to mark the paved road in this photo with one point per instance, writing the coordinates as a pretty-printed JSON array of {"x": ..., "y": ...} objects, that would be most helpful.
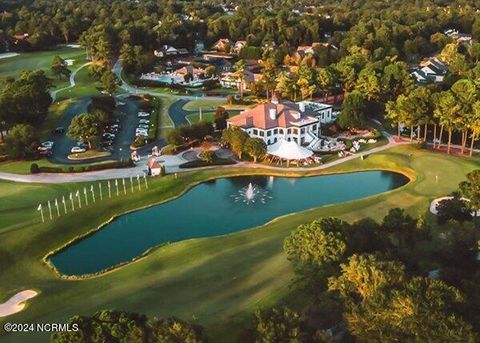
[{"x": 178, "y": 114}]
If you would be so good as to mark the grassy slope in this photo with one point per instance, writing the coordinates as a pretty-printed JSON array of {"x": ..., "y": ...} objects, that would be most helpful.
[
  {"x": 13, "y": 66},
  {"x": 218, "y": 281}
]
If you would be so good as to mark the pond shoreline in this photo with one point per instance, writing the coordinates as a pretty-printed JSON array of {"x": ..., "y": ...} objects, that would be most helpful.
[{"x": 47, "y": 258}]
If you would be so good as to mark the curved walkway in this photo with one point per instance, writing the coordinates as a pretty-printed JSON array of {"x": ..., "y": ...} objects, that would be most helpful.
[
  {"x": 172, "y": 164},
  {"x": 54, "y": 93}
]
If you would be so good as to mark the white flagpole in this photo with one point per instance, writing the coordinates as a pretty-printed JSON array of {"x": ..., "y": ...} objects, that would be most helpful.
[
  {"x": 50, "y": 210},
  {"x": 56, "y": 205},
  {"x": 145, "y": 178},
  {"x": 86, "y": 197},
  {"x": 64, "y": 204},
  {"x": 124, "y": 189},
  {"x": 109, "y": 190},
  {"x": 131, "y": 182},
  {"x": 116, "y": 185},
  {"x": 39, "y": 208},
  {"x": 100, "y": 189},
  {"x": 93, "y": 193},
  {"x": 73, "y": 202},
  {"x": 138, "y": 181},
  {"x": 79, "y": 199}
]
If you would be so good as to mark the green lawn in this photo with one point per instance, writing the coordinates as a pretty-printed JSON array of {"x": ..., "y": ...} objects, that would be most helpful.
[
  {"x": 84, "y": 86},
  {"x": 23, "y": 167},
  {"x": 205, "y": 104},
  {"x": 217, "y": 281},
  {"x": 13, "y": 66},
  {"x": 195, "y": 118}
]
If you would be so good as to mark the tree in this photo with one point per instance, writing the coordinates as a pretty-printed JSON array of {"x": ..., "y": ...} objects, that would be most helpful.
[
  {"x": 221, "y": 116},
  {"x": 105, "y": 326},
  {"x": 314, "y": 249},
  {"x": 278, "y": 325},
  {"x": 208, "y": 156},
  {"x": 21, "y": 141},
  {"x": 470, "y": 189},
  {"x": 353, "y": 113},
  {"x": 269, "y": 76},
  {"x": 59, "y": 67},
  {"x": 255, "y": 147},
  {"x": 175, "y": 330},
  {"x": 109, "y": 81},
  {"x": 453, "y": 208},
  {"x": 174, "y": 137},
  {"x": 364, "y": 275},
  {"x": 447, "y": 112},
  {"x": 417, "y": 311},
  {"x": 474, "y": 125},
  {"x": 236, "y": 138},
  {"x": 286, "y": 86},
  {"x": 239, "y": 75},
  {"x": 87, "y": 127},
  {"x": 368, "y": 83},
  {"x": 401, "y": 225}
]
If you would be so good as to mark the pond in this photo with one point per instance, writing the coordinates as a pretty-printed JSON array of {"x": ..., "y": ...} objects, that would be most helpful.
[{"x": 216, "y": 208}]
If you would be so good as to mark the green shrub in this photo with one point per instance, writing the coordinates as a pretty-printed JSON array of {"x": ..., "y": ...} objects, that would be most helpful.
[
  {"x": 201, "y": 163},
  {"x": 34, "y": 169},
  {"x": 208, "y": 156}
]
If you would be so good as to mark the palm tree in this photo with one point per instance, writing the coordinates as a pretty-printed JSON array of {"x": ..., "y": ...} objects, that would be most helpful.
[
  {"x": 474, "y": 125},
  {"x": 446, "y": 110},
  {"x": 239, "y": 75}
]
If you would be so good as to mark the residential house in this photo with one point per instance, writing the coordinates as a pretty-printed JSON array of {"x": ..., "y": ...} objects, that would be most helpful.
[
  {"x": 239, "y": 45},
  {"x": 433, "y": 70},
  {"x": 228, "y": 80},
  {"x": 222, "y": 45},
  {"x": 196, "y": 73},
  {"x": 166, "y": 51}
]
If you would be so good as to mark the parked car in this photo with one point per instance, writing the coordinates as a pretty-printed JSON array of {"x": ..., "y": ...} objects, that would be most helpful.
[
  {"x": 77, "y": 150},
  {"x": 143, "y": 126},
  {"x": 82, "y": 144},
  {"x": 143, "y": 114},
  {"x": 108, "y": 135},
  {"x": 144, "y": 121},
  {"x": 59, "y": 130},
  {"x": 47, "y": 144}
]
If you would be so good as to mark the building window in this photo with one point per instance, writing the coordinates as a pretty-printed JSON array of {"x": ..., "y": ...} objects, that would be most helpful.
[
  {"x": 269, "y": 133},
  {"x": 275, "y": 131},
  {"x": 302, "y": 130},
  {"x": 261, "y": 133},
  {"x": 255, "y": 131},
  {"x": 295, "y": 130},
  {"x": 280, "y": 131},
  {"x": 314, "y": 128}
]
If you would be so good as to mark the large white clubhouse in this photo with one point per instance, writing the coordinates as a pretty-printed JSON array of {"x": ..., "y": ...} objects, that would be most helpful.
[{"x": 295, "y": 122}]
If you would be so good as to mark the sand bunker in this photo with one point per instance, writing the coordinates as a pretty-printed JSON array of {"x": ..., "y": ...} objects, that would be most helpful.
[
  {"x": 16, "y": 303},
  {"x": 8, "y": 54}
]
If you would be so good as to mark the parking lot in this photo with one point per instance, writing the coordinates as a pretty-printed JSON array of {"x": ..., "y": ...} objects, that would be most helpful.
[{"x": 123, "y": 128}]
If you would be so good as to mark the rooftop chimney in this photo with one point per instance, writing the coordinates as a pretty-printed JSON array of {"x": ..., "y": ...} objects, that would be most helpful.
[
  {"x": 301, "y": 106},
  {"x": 275, "y": 99},
  {"x": 273, "y": 113}
]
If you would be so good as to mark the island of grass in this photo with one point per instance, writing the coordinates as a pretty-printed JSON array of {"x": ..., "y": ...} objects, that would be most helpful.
[
  {"x": 89, "y": 155},
  {"x": 219, "y": 281}
]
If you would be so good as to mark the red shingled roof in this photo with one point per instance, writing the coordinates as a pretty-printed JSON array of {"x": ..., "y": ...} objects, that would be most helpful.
[{"x": 259, "y": 117}]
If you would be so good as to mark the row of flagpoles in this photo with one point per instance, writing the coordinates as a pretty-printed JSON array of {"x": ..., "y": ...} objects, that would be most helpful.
[{"x": 76, "y": 198}]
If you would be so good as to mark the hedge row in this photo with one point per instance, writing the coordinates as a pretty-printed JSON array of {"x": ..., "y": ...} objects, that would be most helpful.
[
  {"x": 201, "y": 163},
  {"x": 34, "y": 168}
]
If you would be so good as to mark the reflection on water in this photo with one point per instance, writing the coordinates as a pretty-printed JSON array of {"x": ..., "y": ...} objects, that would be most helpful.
[{"x": 210, "y": 210}]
